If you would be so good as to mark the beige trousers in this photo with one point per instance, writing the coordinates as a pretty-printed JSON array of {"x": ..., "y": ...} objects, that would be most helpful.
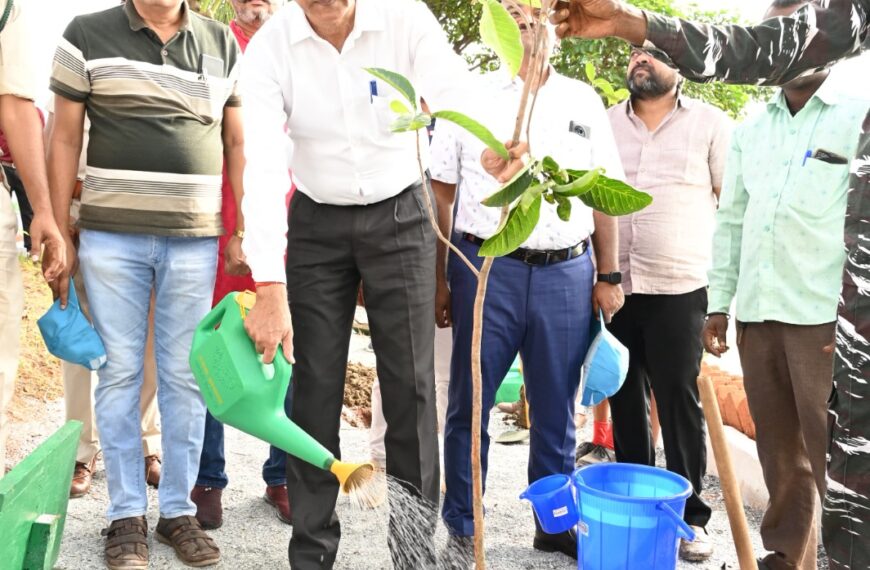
[
  {"x": 78, "y": 388},
  {"x": 11, "y": 308}
]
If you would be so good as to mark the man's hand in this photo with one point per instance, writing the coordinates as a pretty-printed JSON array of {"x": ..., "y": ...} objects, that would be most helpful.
[
  {"x": 235, "y": 262},
  {"x": 443, "y": 318},
  {"x": 44, "y": 232},
  {"x": 59, "y": 285},
  {"x": 607, "y": 297},
  {"x": 268, "y": 323},
  {"x": 593, "y": 19},
  {"x": 713, "y": 335},
  {"x": 501, "y": 169}
]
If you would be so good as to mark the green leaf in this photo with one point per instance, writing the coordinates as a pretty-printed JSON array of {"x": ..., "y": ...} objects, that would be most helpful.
[
  {"x": 519, "y": 226},
  {"x": 555, "y": 172},
  {"x": 398, "y": 107},
  {"x": 581, "y": 182},
  {"x": 476, "y": 129},
  {"x": 615, "y": 198},
  {"x": 590, "y": 71},
  {"x": 410, "y": 122},
  {"x": 530, "y": 195},
  {"x": 511, "y": 191},
  {"x": 622, "y": 94},
  {"x": 399, "y": 82},
  {"x": 564, "y": 208},
  {"x": 500, "y": 32}
]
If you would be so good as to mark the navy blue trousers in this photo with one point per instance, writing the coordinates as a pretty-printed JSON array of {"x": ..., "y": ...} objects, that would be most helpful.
[
  {"x": 542, "y": 312},
  {"x": 212, "y": 462}
]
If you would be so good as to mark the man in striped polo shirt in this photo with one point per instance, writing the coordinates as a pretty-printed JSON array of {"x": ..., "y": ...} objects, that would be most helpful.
[{"x": 158, "y": 84}]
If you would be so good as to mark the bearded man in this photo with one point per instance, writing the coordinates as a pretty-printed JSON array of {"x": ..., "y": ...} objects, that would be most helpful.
[{"x": 673, "y": 148}]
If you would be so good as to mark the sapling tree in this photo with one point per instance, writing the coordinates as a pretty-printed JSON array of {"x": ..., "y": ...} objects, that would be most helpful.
[{"x": 521, "y": 199}]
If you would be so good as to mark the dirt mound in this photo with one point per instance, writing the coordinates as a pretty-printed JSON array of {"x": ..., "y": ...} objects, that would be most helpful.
[{"x": 358, "y": 394}]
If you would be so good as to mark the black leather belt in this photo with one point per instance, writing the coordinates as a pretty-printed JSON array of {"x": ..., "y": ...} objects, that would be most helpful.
[{"x": 539, "y": 257}]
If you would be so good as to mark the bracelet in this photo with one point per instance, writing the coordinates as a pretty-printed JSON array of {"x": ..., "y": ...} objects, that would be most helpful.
[
  {"x": 239, "y": 234},
  {"x": 726, "y": 315}
]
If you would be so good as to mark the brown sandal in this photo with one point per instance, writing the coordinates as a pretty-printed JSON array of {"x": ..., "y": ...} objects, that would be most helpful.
[
  {"x": 127, "y": 543},
  {"x": 192, "y": 545}
]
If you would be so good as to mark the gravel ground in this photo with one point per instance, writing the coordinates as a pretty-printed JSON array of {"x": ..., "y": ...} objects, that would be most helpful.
[{"x": 253, "y": 538}]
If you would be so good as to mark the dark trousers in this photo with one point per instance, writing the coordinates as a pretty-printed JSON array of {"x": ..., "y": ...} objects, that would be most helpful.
[
  {"x": 24, "y": 207},
  {"x": 542, "y": 312},
  {"x": 663, "y": 336},
  {"x": 787, "y": 377},
  {"x": 212, "y": 462},
  {"x": 390, "y": 246}
]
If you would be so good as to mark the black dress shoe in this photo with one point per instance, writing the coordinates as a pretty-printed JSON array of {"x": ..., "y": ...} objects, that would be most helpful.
[{"x": 564, "y": 542}]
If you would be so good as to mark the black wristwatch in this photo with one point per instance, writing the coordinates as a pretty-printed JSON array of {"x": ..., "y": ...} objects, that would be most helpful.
[{"x": 614, "y": 278}]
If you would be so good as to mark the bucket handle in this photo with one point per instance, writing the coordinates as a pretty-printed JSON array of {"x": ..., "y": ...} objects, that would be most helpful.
[{"x": 683, "y": 529}]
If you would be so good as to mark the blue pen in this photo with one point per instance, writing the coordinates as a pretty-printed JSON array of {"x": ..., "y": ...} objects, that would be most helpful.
[
  {"x": 809, "y": 154},
  {"x": 373, "y": 90}
]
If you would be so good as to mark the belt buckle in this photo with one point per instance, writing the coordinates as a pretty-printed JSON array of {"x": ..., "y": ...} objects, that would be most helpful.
[{"x": 547, "y": 258}]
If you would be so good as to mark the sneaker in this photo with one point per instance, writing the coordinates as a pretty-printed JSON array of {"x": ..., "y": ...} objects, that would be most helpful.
[
  {"x": 276, "y": 495},
  {"x": 596, "y": 454},
  {"x": 698, "y": 550},
  {"x": 209, "y": 510}
]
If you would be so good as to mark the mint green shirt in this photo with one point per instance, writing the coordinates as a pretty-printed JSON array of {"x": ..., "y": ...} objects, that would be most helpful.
[{"x": 778, "y": 244}]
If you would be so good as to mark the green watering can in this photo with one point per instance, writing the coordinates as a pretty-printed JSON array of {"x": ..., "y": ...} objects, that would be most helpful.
[{"x": 242, "y": 392}]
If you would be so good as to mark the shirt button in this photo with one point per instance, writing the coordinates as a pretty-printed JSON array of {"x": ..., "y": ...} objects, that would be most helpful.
[{"x": 164, "y": 53}]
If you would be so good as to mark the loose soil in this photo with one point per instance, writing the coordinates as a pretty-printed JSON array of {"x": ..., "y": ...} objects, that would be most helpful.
[{"x": 358, "y": 394}]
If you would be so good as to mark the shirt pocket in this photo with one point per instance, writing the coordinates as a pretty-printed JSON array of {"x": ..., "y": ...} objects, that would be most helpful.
[
  {"x": 382, "y": 116},
  {"x": 822, "y": 187},
  {"x": 570, "y": 151}
]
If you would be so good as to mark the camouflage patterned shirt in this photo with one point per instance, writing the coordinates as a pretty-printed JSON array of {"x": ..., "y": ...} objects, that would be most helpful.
[{"x": 772, "y": 53}]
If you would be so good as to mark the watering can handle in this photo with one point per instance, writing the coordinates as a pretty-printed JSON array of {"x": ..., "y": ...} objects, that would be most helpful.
[
  {"x": 281, "y": 366},
  {"x": 683, "y": 529}
]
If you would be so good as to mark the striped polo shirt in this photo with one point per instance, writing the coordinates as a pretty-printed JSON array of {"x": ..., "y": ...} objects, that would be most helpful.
[{"x": 155, "y": 152}]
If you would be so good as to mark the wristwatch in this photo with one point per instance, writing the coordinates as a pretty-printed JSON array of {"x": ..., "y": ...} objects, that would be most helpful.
[{"x": 614, "y": 278}]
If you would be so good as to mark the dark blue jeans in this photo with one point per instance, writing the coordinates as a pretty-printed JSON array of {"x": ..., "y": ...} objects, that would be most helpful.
[
  {"x": 542, "y": 312},
  {"x": 212, "y": 461}
]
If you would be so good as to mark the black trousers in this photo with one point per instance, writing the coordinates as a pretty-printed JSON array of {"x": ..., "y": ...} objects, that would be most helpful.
[
  {"x": 663, "y": 336},
  {"x": 390, "y": 246}
]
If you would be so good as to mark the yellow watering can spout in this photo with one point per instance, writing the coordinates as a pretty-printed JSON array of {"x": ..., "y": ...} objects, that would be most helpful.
[{"x": 351, "y": 476}]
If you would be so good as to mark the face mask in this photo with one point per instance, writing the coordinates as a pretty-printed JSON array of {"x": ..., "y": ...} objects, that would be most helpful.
[
  {"x": 605, "y": 366},
  {"x": 69, "y": 335}
]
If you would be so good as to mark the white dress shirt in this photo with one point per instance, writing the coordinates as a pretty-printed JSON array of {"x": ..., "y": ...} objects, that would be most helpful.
[
  {"x": 562, "y": 103},
  {"x": 343, "y": 150}
]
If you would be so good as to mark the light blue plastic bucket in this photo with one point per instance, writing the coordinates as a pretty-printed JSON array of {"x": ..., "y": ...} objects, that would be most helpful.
[
  {"x": 631, "y": 517},
  {"x": 554, "y": 501}
]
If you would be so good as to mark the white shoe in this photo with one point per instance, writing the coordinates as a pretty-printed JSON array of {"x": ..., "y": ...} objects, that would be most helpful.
[{"x": 698, "y": 550}]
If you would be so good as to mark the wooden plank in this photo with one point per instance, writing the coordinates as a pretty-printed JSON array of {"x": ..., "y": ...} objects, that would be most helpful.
[{"x": 36, "y": 487}]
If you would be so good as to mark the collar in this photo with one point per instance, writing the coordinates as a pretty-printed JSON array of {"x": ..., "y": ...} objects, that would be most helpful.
[
  {"x": 504, "y": 80},
  {"x": 827, "y": 94},
  {"x": 137, "y": 23},
  {"x": 683, "y": 102},
  {"x": 368, "y": 17}
]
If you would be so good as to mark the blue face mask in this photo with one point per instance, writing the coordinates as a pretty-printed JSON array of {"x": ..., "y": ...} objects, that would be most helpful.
[
  {"x": 605, "y": 367},
  {"x": 69, "y": 335}
]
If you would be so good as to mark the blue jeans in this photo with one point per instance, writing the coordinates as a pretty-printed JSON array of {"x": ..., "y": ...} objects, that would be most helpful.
[
  {"x": 542, "y": 312},
  {"x": 212, "y": 461},
  {"x": 120, "y": 272}
]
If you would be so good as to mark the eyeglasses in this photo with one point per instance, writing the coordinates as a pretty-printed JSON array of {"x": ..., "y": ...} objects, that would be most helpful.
[{"x": 651, "y": 52}]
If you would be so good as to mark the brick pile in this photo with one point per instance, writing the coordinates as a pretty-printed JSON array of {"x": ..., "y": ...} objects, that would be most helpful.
[{"x": 732, "y": 399}]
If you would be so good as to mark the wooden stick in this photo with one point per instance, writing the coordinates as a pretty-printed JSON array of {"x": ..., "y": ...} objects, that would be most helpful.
[{"x": 727, "y": 478}]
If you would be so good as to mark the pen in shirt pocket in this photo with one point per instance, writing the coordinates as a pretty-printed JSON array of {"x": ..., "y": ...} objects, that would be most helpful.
[
  {"x": 825, "y": 156},
  {"x": 373, "y": 90}
]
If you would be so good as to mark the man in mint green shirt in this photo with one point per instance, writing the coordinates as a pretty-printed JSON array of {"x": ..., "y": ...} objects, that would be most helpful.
[{"x": 778, "y": 248}]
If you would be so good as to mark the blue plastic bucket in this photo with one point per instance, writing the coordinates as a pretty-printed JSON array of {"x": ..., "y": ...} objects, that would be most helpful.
[
  {"x": 631, "y": 517},
  {"x": 554, "y": 501}
]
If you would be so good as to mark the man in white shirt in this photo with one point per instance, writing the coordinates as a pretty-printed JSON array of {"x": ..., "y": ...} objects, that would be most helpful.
[
  {"x": 540, "y": 299},
  {"x": 358, "y": 214}
]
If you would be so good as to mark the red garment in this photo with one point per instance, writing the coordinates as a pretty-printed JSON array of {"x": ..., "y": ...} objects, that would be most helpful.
[{"x": 226, "y": 284}]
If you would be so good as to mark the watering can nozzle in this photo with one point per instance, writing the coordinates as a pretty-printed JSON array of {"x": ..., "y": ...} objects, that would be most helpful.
[{"x": 352, "y": 475}]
